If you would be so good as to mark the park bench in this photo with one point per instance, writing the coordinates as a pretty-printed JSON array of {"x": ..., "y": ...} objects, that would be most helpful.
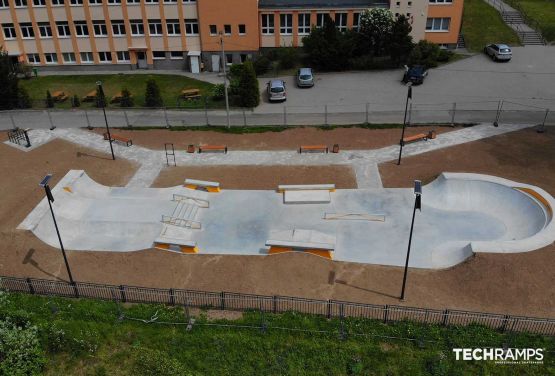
[
  {"x": 190, "y": 94},
  {"x": 418, "y": 137},
  {"x": 91, "y": 96},
  {"x": 59, "y": 96},
  {"x": 115, "y": 137},
  {"x": 214, "y": 148},
  {"x": 313, "y": 148}
]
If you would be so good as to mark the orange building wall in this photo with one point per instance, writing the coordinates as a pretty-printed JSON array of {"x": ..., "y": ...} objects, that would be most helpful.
[
  {"x": 455, "y": 11},
  {"x": 230, "y": 12}
]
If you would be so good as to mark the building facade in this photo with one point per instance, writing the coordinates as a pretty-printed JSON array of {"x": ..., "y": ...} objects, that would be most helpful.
[{"x": 188, "y": 34}]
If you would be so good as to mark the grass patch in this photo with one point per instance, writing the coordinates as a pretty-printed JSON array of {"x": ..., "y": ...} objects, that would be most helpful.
[
  {"x": 482, "y": 24},
  {"x": 86, "y": 337},
  {"x": 170, "y": 87},
  {"x": 541, "y": 11}
]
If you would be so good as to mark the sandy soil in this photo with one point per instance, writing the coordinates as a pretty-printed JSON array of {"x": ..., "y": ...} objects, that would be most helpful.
[
  {"x": 257, "y": 177},
  {"x": 347, "y": 138}
]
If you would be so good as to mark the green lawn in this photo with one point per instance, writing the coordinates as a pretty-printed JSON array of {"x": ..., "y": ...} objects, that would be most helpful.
[
  {"x": 86, "y": 337},
  {"x": 482, "y": 24},
  {"x": 542, "y": 11},
  {"x": 170, "y": 87}
]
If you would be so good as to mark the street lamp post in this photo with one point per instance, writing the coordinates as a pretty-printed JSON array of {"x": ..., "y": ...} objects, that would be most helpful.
[
  {"x": 50, "y": 199},
  {"x": 417, "y": 205},
  {"x": 224, "y": 62},
  {"x": 401, "y": 143},
  {"x": 103, "y": 98}
]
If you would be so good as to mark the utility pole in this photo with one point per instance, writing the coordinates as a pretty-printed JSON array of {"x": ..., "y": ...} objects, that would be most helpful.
[
  {"x": 401, "y": 142},
  {"x": 224, "y": 62}
]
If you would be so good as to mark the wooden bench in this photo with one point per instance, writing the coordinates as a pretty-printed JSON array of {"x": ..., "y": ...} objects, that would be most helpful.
[
  {"x": 205, "y": 148},
  {"x": 115, "y": 137},
  {"x": 313, "y": 148},
  {"x": 418, "y": 137},
  {"x": 91, "y": 96},
  {"x": 209, "y": 186},
  {"x": 190, "y": 93},
  {"x": 59, "y": 96}
]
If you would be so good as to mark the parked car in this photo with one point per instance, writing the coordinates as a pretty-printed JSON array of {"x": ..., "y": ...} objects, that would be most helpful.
[
  {"x": 415, "y": 74},
  {"x": 305, "y": 78},
  {"x": 498, "y": 52},
  {"x": 276, "y": 91}
]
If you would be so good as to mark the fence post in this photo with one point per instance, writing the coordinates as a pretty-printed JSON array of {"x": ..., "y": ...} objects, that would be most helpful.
[
  {"x": 126, "y": 119},
  {"x": 326, "y": 114},
  {"x": 206, "y": 110},
  {"x": 122, "y": 293},
  {"x": 244, "y": 118},
  {"x": 88, "y": 121},
  {"x": 410, "y": 115},
  {"x": 274, "y": 304},
  {"x": 75, "y": 291},
  {"x": 367, "y": 109},
  {"x": 172, "y": 298},
  {"x": 166, "y": 117},
  {"x": 498, "y": 113},
  {"x": 453, "y": 114},
  {"x": 13, "y": 121},
  {"x": 386, "y": 313},
  {"x": 30, "y": 284},
  {"x": 342, "y": 318},
  {"x": 445, "y": 317},
  {"x": 505, "y": 322},
  {"x": 50, "y": 120},
  {"x": 285, "y": 116},
  {"x": 329, "y": 309},
  {"x": 541, "y": 129},
  {"x": 222, "y": 297}
]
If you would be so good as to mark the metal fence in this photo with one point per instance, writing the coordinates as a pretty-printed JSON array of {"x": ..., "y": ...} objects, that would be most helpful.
[{"x": 277, "y": 304}]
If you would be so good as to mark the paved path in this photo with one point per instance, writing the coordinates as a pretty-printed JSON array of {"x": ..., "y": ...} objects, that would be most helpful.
[{"x": 364, "y": 162}]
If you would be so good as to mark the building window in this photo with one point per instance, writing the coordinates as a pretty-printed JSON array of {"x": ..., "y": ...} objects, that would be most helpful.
[
  {"x": 173, "y": 27},
  {"x": 87, "y": 57},
  {"x": 69, "y": 57},
  {"x": 320, "y": 19},
  {"x": 76, "y": 2},
  {"x": 341, "y": 21},
  {"x": 33, "y": 58},
  {"x": 39, "y": 3},
  {"x": 438, "y": 24},
  {"x": 176, "y": 55},
  {"x": 286, "y": 24},
  {"x": 242, "y": 29},
  {"x": 137, "y": 27},
  {"x": 304, "y": 24},
  {"x": 100, "y": 29},
  {"x": 9, "y": 31},
  {"x": 398, "y": 4},
  {"x": 57, "y": 2},
  {"x": 229, "y": 59},
  {"x": 267, "y": 24},
  {"x": 151, "y": 1},
  {"x": 356, "y": 21},
  {"x": 45, "y": 30},
  {"x": 105, "y": 57},
  {"x": 114, "y": 2},
  {"x": 441, "y": 1},
  {"x": 63, "y": 29},
  {"x": 227, "y": 29},
  {"x": 20, "y": 3},
  {"x": 123, "y": 57},
  {"x": 158, "y": 55},
  {"x": 27, "y": 31},
  {"x": 81, "y": 29},
  {"x": 409, "y": 4},
  {"x": 213, "y": 30},
  {"x": 118, "y": 28},
  {"x": 133, "y": 1},
  {"x": 51, "y": 58},
  {"x": 170, "y": 1},
  {"x": 191, "y": 27},
  {"x": 95, "y": 2},
  {"x": 4, "y": 4},
  {"x": 155, "y": 27}
]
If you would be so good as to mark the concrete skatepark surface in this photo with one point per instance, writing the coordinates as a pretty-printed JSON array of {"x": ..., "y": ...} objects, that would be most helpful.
[{"x": 462, "y": 214}]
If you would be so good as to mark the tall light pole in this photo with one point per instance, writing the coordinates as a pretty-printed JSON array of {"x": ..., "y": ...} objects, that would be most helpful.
[
  {"x": 417, "y": 205},
  {"x": 50, "y": 199},
  {"x": 225, "y": 76},
  {"x": 103, "y": 98},
  {"x": 401, "y": 142}
]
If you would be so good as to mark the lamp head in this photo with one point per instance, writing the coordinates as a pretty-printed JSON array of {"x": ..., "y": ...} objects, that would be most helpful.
[
  {"x": 418, "y": 187},
  {"x": 45, "y": 180}
]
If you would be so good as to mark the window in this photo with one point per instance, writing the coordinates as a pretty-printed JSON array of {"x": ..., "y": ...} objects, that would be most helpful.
[
  {"x": 123, "y": 57},
  {"x": 63, "y": 29},
  {"x": 267, "y": 24},
  {"x": 341, "y": 21},
  {"x": 229, "y": 59},
  {"x": 227, "y": 29},
  {"x": 286, "y": 24},
  {"x": 133, "y": 1},
  {"x": 155, "y": 27},
  {"x": 20, "y": 3},
  {"x": 438, "y": 24},
  {"x": 105, "y": 57},
  {"x": 33, "y": 58},
  {"x": 100, "y": 29},
  {"x": 87, "y": 57},
  {"x": 39, "y": 3},
  {"x": 45, "y": 30},
  {"x": 244, "y": 57},
  {"x": 81, "y": 29},
  {"x": 137, "y": 27},
  {"x": 397, "y": 4},
  {"x": 175, "y": 55},
  {"x": 242, "y": 29},
  {"x": 408, "y": 15},
  {"x": 151, "y": 1},
  {"x": 356, "y": 21},
  {"x": 27, "y": 30},
  {"x": 51, "y": 58},
  {"x": 191, "y": 27},
  {"x": 304, "y": 24},
  {"x": 320, "y": 19},
  {"x": 158, "y": 55},
  {"x": 173, "y": 27},
  {"x": 69, "y": 57},
  {"x": 114, "y": 2},
  {"x": 95, "y": 2},
  {"x": 4, "y": 4},
  {"x": 57, "y": 2},
  {"x": 409, "y": 4},
  {"x": 76, "y": 2},
  {"x": 170, "y": 1},
  {"x": 441, "y": 1},
  {"x": 118, "y": 27},
  {"x": 9, "y": 31},
  {"x": 213, "y": 30}
]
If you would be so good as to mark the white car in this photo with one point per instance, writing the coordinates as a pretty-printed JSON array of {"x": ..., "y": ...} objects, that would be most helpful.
[
  {"x": 498, "y": 52},
  {"x": 276, "y": 91}
]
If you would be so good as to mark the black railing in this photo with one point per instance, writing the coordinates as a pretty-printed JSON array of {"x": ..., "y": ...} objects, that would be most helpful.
[{"x": 277, "y": 304}]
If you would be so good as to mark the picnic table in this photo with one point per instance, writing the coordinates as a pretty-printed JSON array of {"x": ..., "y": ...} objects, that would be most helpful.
[
  {"x": 90, "y": 96},
  {"x": 59, "y": 96},
  {"x": 190, "y": 94}
]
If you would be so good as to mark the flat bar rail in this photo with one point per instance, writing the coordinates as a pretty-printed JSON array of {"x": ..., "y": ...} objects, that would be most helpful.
[{"x": 277, "y": 304}]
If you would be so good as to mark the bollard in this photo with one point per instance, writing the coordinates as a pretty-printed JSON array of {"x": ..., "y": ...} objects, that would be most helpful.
[
  {"x": 166, "y": 118},
  {"x": 453, "y": 114},
  {"x": 367, "y": 108},
  {"x": 206, "y": 110}
]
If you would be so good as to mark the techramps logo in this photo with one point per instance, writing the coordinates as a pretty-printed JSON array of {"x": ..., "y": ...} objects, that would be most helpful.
[{"x": 501, "y": 355}]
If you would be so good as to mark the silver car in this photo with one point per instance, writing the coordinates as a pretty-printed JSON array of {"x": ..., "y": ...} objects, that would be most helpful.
[
  {"x": 498, "y": 52},
  {"x": 276, "y": 91},
  {"x": 305, "y": 78}
]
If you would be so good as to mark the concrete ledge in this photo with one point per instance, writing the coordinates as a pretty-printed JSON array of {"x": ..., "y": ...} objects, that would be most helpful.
[
  {"x": 303, "y": 239},
  {"x": 304, "y": 187},
  {"x": 306, "y": 197},
  {"x": 202, "y": 183}
]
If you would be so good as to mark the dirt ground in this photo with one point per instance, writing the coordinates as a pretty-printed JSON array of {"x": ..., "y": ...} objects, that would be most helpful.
[
  {"x": 267, "y": 177},
  {"x": 290, "y": 139},
  {"x": 514, "y": 283}
]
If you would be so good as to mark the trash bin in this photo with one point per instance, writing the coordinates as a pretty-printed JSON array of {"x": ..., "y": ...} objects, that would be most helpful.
[
  {"x": 190, "y": 148},
  {"x": 335, "y": 148},
  {"x": 36, "y": 72}
]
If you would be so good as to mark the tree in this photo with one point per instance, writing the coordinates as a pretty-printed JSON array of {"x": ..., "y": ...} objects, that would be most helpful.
[
  {"x": 100, "y": 98},
  {"x": 126, "y": 98},
  {"x": 75, "y": 101},
  {"x": 375, "y": 27},
  {"x": 424, "y": 53},
  {"x": 400, "y": 43},
  {"x": 23, "y": 98},
  {"x": 49, "y": 99},
  {"x": 248, "y": 90},
  {"x": 153, "y": 98},
  {"x": 8, "y": 82}
]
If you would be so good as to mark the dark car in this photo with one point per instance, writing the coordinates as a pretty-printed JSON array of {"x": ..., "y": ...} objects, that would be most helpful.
[{"x": 415, "y": 74}]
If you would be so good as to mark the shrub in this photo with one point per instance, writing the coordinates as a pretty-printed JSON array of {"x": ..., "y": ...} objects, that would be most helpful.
[
  {"x": 444, "y": 55},
  {"x": 248, "y": 91},
  {"x": 261, "y": 65},
  {"x": 20, "y": 351},
  {"x": 49, "y": 99},
  {"x": 218, "y": 92},
  {"x": 126, "y": 98},
  {"x": 23, "y": 98},
  {"x": 288, "y": 57},
  {"x": 153, "y": 98},
  {"x": 75, "y": 101},
  {"x": 424, "y": 53},
  {"x": 156, "y": 363}
]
